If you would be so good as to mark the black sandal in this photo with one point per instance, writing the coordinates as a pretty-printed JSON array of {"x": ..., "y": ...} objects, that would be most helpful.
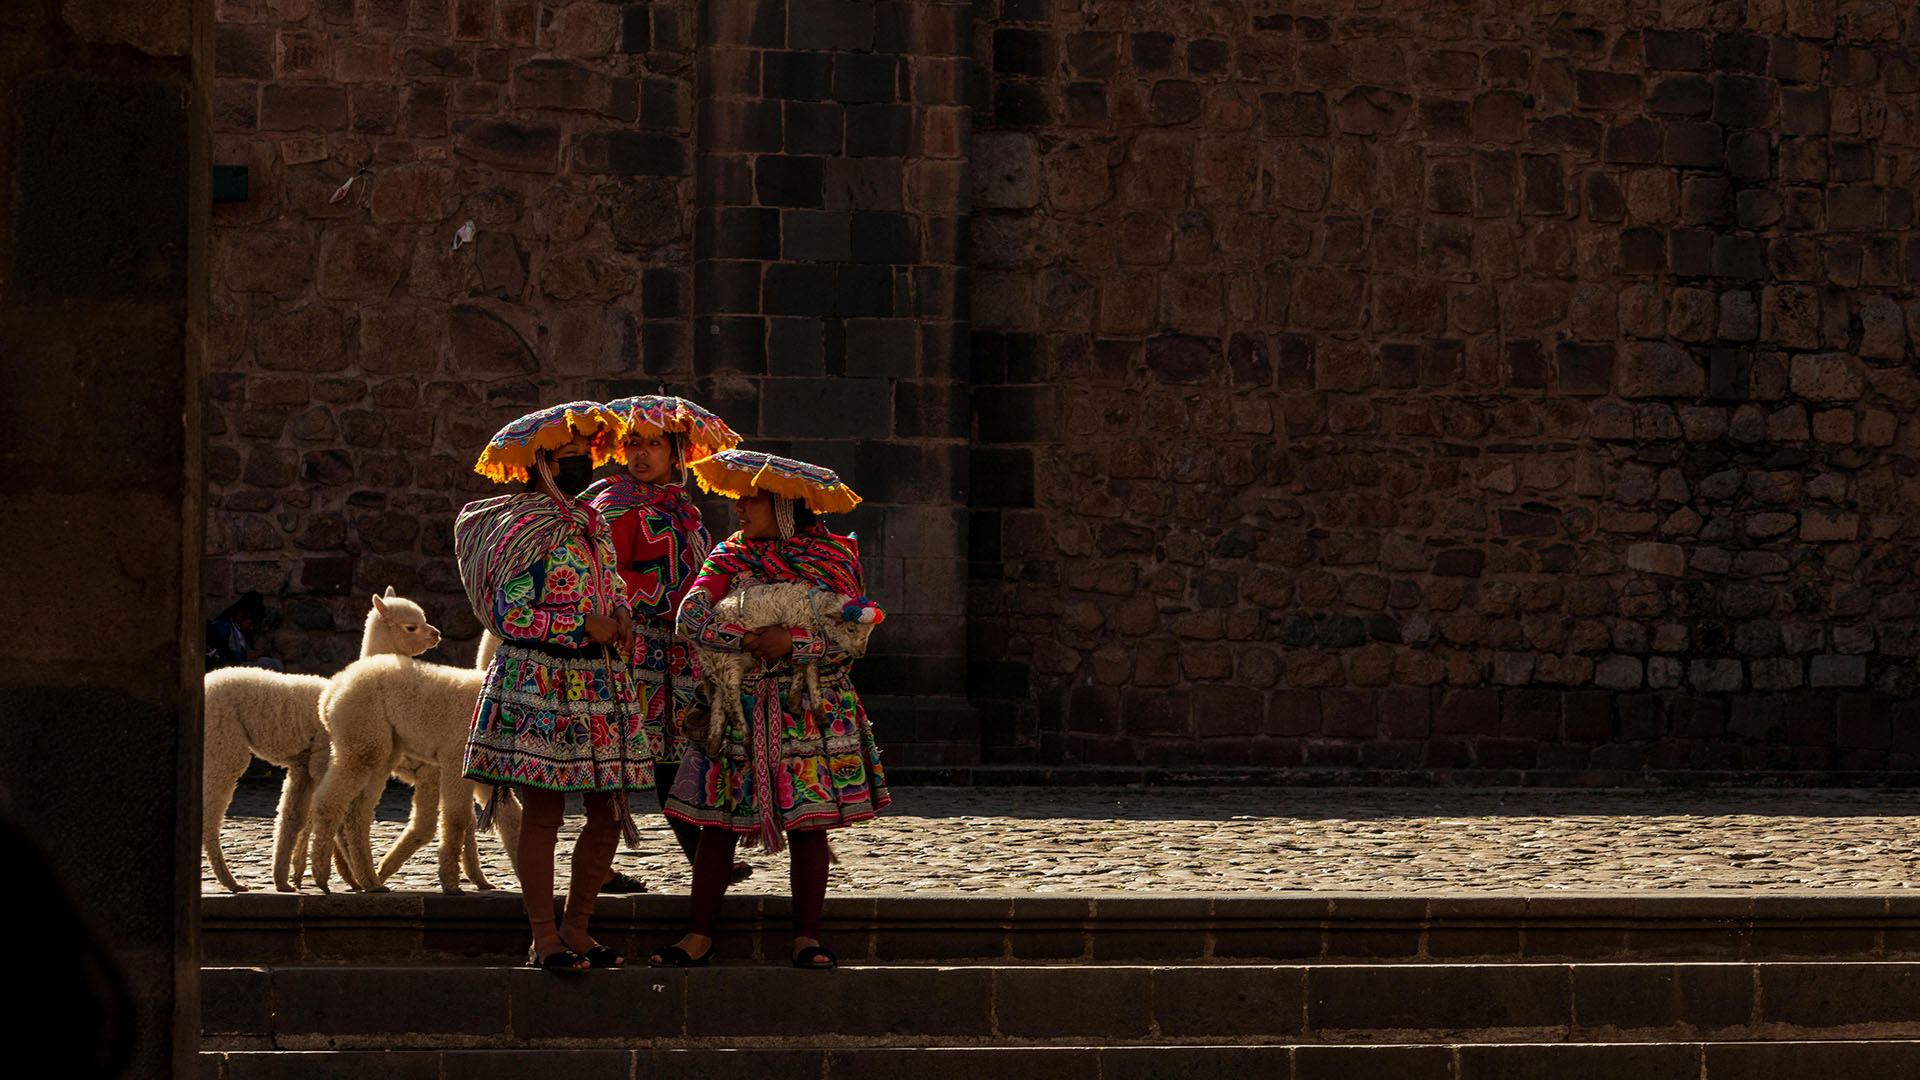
[
  {"x": 602, "y": 956},
  {"x": 673, "y": 956},
  {"x": 741, "y": 872},
  {"x": 624, "y": 883},
  {"x": 806, "y": 957},
  {"x": 564, "y": 960}
]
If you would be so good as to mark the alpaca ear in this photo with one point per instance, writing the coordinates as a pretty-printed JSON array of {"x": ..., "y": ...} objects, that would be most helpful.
[
  {"x": 377, "y": 605},
  {"x": 389, "y": 590}
]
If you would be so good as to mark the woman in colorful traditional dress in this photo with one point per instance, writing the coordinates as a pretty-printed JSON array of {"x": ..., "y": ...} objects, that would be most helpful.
[
  {"x": 557, "y": 710},
  {"x": 660, "y": 544},
  {"x": 794, "y": 773}
]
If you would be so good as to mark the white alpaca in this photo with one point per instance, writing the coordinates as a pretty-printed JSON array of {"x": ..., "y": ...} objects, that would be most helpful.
[
  {"x": 783, "y": 604},
  {"x": 253, "y": 712},
  {"x": 425, "y": 813},
  {"x": 377, "y": 710}
]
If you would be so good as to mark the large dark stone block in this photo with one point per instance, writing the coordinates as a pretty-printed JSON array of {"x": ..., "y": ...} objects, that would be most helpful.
[{"x": 130, "y": 240}]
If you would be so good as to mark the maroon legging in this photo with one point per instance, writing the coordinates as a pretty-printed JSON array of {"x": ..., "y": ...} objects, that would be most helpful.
[
  {"x": 543, "y": 812},
  {"x": 808, "y": 856}
]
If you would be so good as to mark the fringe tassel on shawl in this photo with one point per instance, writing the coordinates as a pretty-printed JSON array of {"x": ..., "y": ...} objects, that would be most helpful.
[
  {"x": 629, "y": 831},
  {"x": 484, "y": 822},
  {"x": 766, "y": 758}
]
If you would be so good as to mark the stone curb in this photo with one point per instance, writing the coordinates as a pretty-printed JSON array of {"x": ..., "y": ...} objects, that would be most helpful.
[
  {"x": 1811, "y": 1060},
  {"x": 270, "y": 928},
  {"x": 1585, "y": 779}
]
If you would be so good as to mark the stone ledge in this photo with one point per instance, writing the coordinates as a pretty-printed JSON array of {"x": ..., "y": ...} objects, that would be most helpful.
[
  {"x": 1128, "y": 776},
  {"x": 1685, "y": 1060},
  {"x": 474, "y": 1007},
  {"x": 1715, "y": 925}
]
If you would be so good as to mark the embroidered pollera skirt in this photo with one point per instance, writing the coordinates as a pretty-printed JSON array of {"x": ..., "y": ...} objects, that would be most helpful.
[
  {"x": 822, "y": 770},
  {"x": 664, "y": 673},
  {"x": 563, "y": 722}
]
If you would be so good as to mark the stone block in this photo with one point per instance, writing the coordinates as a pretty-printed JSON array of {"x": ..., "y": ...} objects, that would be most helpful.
[
  {"x": 1618, "y": 673},
  {"x": 508, "y": 145},
  {"x": 1657, "y": 369},
  {"x": 1665, "y": 559},
  {"x": 301, "y": 107},
  {"x": 619, "y": 152},
  {"x": 1040, "y": 1002},
  {"x": 1837, "y": 671},
  {"x": 1374, "y": 1062},
  {"x": 1359, "y": 997}
]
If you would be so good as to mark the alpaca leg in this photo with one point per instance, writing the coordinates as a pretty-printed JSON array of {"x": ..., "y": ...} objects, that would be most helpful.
[
  {"x": 420, "y": 821},
  {"x": 456, "y": 827},
  {"x": 296, "y": 798},
  {"x": 343, "y": 865},
  {"x": 359, "y": 842},
  {"x": 219, "y": 773},
  {"x": 331, "y": 803},
  {"x": 470, "y": 862},
  {"x": 359, "y": 823},
  {"x": 350, "y": 776},
  {"x": 470, "y": 851},
  {"x": 299, "y": 868}
]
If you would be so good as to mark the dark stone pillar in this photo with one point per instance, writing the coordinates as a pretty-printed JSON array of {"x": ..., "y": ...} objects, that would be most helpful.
[
  {"x": 103, "y": 281},
  {"x": 830, "y": 288}
]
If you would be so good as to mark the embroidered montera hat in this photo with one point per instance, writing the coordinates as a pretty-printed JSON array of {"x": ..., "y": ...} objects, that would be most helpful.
[
  {"x": 509, "y": 454},
  {"x": 736, "y": 473},
  {"x": 704, "y": 432}
]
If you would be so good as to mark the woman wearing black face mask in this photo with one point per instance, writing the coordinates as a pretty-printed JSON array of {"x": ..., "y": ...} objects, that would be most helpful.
[{"x": 557, "y": 710}]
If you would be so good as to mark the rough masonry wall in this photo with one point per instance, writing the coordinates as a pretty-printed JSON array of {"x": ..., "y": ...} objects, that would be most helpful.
[
  {"x": 360, "y": 359},
  {"x": 830, "y": 285},
  {"x": 1445, "y": 384},
  {"x": 761, "y": 205}
]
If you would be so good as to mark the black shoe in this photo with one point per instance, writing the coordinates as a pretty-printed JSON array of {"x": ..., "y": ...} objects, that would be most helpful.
[
  {"x": 675, "y": 956},
  {"x": 806, "y": 958},
  {"x": 601, "y": 956},
  {"x": 623, "y": 883},
  {"x": 562, "y": 960}
]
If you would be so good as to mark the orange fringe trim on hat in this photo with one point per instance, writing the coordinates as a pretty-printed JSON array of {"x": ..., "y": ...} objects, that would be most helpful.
[
  {"x": 510, "y": 453},
  {"x": 704, "y": 431},
  {"x": 737, "y": 474}
]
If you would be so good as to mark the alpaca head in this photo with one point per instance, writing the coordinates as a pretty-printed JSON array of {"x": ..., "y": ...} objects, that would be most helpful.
[{"x": 397, "y": 625}]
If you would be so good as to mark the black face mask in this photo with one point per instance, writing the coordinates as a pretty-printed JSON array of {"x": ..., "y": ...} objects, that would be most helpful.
[{"x": 572, "y": 474}]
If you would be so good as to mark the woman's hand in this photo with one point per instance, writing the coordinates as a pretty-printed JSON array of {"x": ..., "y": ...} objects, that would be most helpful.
[
  {"x": 602, "y": 630},
  {"x": 769, "y": 644},
  {"x": 625, "y": 636}
]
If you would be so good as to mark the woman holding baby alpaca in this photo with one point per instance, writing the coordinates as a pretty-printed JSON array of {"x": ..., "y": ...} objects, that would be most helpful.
[{"x": 801, "y": 765}]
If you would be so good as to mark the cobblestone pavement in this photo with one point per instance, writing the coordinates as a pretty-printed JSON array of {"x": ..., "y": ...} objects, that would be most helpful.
[{"x": 1239, "y": 839}]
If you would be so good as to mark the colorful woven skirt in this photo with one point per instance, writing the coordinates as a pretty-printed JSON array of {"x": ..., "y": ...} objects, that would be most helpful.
[
  {"x": 662, "y": 661},
  {"x": 817, "y": 770},
  {"x": 558, "y": 720}
]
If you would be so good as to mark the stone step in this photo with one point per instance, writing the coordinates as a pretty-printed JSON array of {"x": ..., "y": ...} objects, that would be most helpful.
[
  {"x": 314, "y": 1007},
  {"x": 1876, "y": 1060},
  {"x": 276, "y": 928}
]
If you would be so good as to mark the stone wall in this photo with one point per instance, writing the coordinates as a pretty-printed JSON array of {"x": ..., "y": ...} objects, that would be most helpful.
[
  {"x": 104, "y": 179},
  {"x": 361, "y": 357},
  {"x": 1402, "y": 386},
  {"x": 829, "y": 295},
  {"x": 795, "y": 258},
  {"x": 1431, "y": 385}
]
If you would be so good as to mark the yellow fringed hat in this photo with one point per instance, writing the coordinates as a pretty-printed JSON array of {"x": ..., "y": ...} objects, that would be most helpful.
[
  {"x": 509, "y": 454},
  {"x": 705, "y": 433},
  {"x": 736, "y": 473}
]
